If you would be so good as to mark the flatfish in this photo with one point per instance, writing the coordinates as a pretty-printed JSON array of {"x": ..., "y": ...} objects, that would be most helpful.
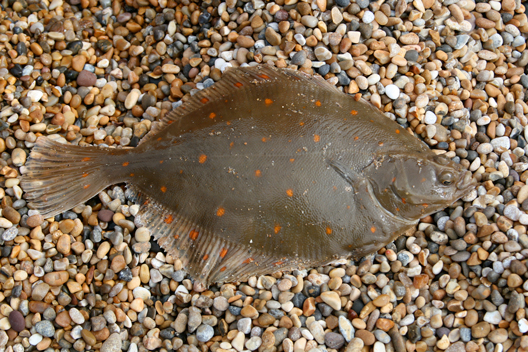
[{"x": 269, "y": 169}]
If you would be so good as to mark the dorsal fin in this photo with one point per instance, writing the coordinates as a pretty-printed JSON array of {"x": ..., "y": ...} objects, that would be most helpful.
[{"x": 232, "y": 80}]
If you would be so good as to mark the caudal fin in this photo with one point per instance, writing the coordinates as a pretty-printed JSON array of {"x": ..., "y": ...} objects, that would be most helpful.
[{"x": 57, "y": 176}]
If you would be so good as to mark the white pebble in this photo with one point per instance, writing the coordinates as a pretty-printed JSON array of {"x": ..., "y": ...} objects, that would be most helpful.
[
  {"x": 430, "y": 118},
  {"x": 35, "y": 95},
  {"x": 368, "y": 17},
  {"x": 392, "y": 91}
]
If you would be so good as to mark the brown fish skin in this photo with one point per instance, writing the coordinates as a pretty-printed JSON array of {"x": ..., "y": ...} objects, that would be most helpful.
[{"x": 266, "y": 170}]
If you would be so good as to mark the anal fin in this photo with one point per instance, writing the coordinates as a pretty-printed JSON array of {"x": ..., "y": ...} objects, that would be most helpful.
[{"x": 207, "y": 256}]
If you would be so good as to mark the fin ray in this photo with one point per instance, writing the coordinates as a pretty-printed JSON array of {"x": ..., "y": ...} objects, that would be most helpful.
[
  {"x": 58, "y": 176},
  {"x": 208, "y": 257}
]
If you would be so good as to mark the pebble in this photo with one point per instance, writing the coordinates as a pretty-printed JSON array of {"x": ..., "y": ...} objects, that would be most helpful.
[
  {"x": 45, "y": 328},
  {"x": 392, "y": 91},
  {"x": 112, "y": 344}
]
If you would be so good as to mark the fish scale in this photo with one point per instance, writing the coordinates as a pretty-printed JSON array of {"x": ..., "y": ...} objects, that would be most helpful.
[{"x": 266, "y": 170}]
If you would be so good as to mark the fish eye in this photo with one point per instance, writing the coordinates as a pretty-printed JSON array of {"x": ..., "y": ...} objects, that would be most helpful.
[{"x": 446, "y": 178}]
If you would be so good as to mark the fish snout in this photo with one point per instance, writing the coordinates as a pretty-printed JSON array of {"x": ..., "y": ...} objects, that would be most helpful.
[{"x": 467, "y": 181}]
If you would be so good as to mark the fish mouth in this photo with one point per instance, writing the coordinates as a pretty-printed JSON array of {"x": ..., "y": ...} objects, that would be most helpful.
[{"x": 466, "y": 182}]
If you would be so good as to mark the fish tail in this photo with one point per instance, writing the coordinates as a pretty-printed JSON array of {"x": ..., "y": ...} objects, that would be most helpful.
[{"x": 58, "y": 176}]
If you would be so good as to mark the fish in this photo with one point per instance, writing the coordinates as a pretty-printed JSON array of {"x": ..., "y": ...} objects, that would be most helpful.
[{"x": 266, "y": 170}]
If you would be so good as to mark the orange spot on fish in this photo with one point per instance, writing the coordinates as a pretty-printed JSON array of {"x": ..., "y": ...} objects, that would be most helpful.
[
  {"x": 280, "y": 262},
  {"x": 258, "y": 173},
  {"x": 231, "y": 144},
  {"x": 161, "y": 161},
  {"x": 318, "y": 103},
  {"x": 397, "y": 131},
  {"x": 170, "y": 122},
  {"x": 212, "y": 115},
  {"x": 202, "y": 158},
  {"x": 289, "y": 192},
  {"x": 328, "y": 231},
  {"x": 205, "y": 257},
  {"x": 268, "y": 101},
  {"x": 354, "y": 112},
  {"x": 131, "y": 175},
  {"x": 393, "y": 180},
  {"x": 356, "y": 138},
  {"x": 168, "y": 219},
  {"x": 380, "y": 144},
  {"x": 404, "y": 201},
  {"x": 372, "y": 229},
  {"x": 425, "y": 205},
  {"x": 193, "y": 235},
  {"x": 228, "y": 123},
  {"x": 85, "y": 175},
  {"x": 264, "y": 139},
  {"x": 220, "y": 211},
  {"x": 277, "y": 228},
  {"x": 264, "y": 76},
  {"x": 159, "y": 139},
  {"x": 223, "y": 252},
  {"x": 317, "y": 138},
  {"x": 423, "y": 180},
  {"x": 86, "y": 159},
  {"x": 301, "y": 123},
  {"x": 204, "y": 100},
  {"x": 86, "y": 186},
  {"x": 164, "y": 189},
  {"x": 223, "y": 269},
  {"x": 247, "y": 261},
  {"x": 125, "y": 163},
  {"x": 176, "y": 237},
  {"x": 292, "y": 160},
  {"x": 238, "y": 84},
  {"x": 397, "y": 209}
]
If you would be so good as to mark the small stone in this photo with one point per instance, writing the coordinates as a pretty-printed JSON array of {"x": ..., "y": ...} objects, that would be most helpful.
[
  {"x": 88, "y": 337},
  {"x": 346, "y": 328},
  {"x": 332, "y": 299},
  {"x": 481, "y": 329},
  {"x": 86, "y": 79},
  {"x": 367, "y": 337},
  {"x": 112, "y": 344},
  {"x": 392, "y": 91},
  {"x": 45, "y": 328},
  {"x": 16, "y": 319},
  {"x": 498, "y": 336},
  {"x": 355, "y": 345},
  {"x": 40, "y": 291},
  {"x": 204, "y": 333},
  {"x": 334, "y": 340}
]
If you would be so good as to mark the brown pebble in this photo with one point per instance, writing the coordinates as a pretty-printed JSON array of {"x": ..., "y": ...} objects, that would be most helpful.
[
  {"x": 367, "y": 337},
  {"x": 56, "y": 278},
  {"x": 63, "y": 319},
  {"x": 11, "y": 214},
  {"x": 64, "y": 244},
  {"x": 86, "y": 78},
  {"x": 481, "y": 329},
  {"x": 118, "y": 263},
  {"x": 88, "y": 337}
]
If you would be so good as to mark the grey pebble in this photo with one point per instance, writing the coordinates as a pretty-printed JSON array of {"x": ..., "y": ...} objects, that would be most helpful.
[
  {"x": 45, "y": 328},
  {"x": 204, "y": 333}
]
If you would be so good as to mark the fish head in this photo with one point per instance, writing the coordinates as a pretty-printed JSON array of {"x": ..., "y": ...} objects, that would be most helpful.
[{"x": 414, "y": 185}]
